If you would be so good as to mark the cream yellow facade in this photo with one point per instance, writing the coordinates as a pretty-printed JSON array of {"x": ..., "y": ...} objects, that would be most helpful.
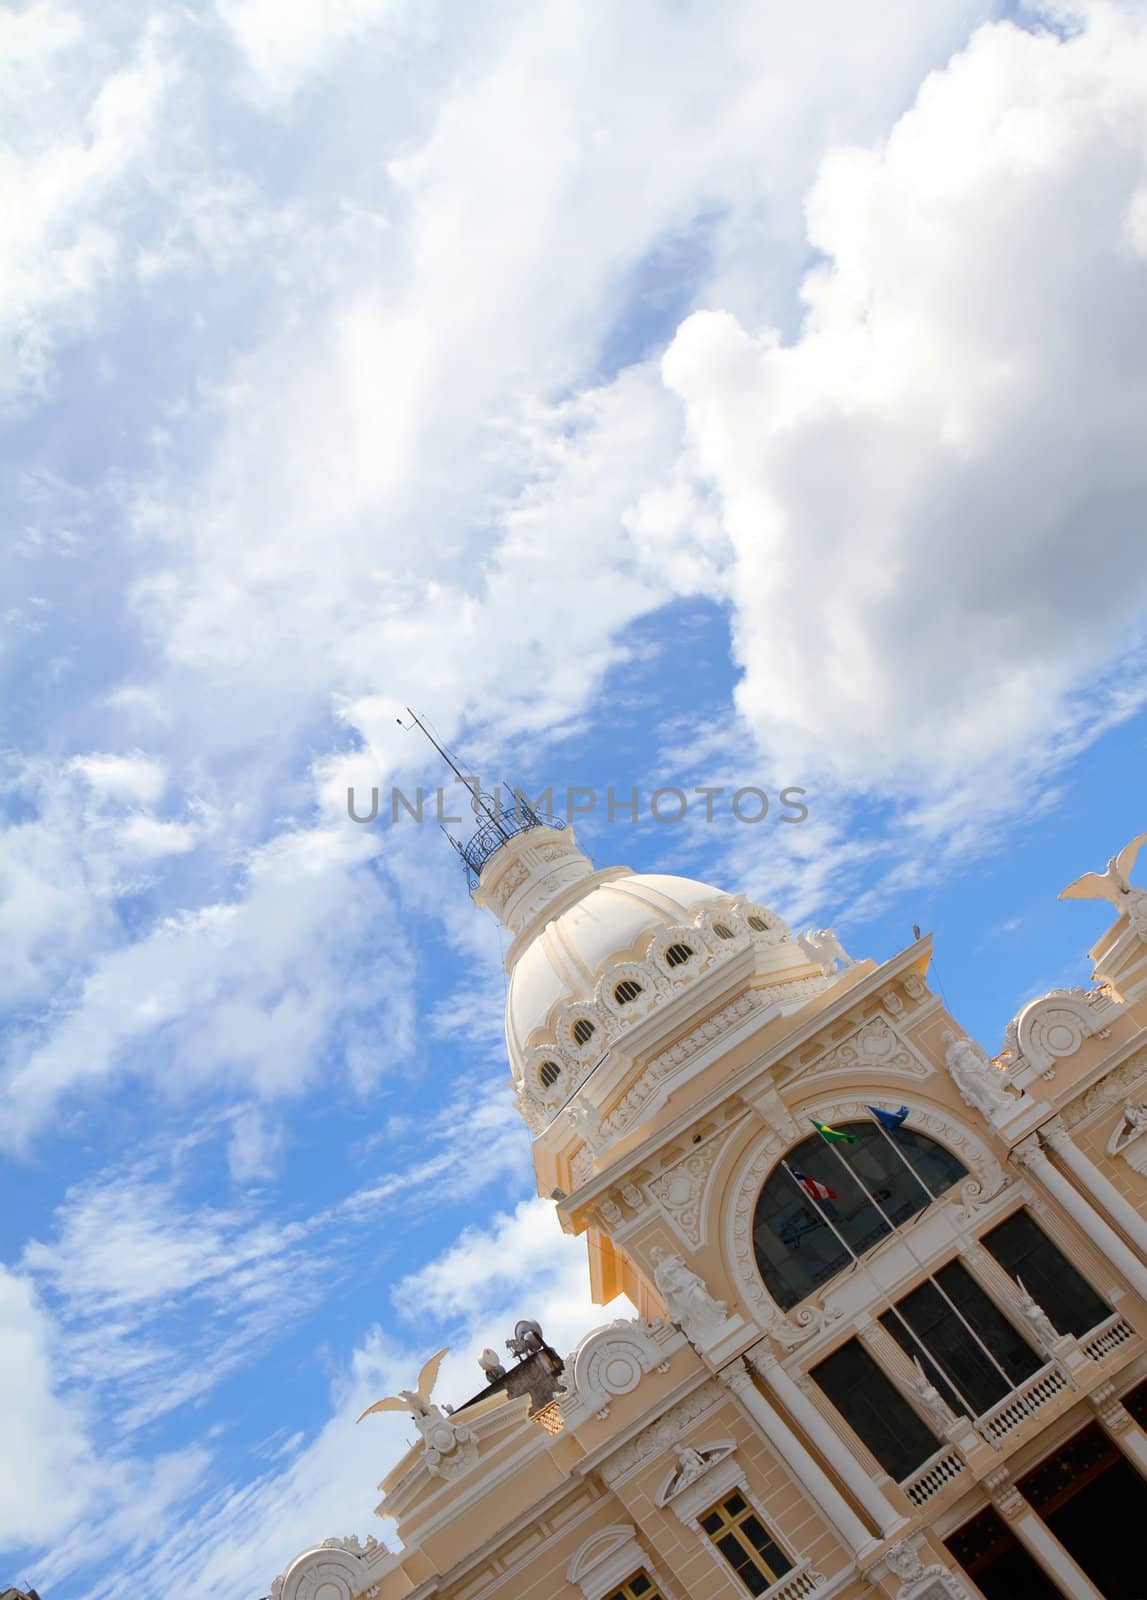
[{"x": 798, "y": 1410}]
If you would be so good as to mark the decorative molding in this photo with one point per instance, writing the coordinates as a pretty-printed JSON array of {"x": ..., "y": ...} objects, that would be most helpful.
[
  {"x": 681, "y": 1190},
  {"x": 1110, "y": 1410},
  {"x": 611, "y": 1361},
  {"x": 606, "y": 1559},
  {"x": 918, "y": 1581},
  {"x": 1108, "y": 1092},
  {"x": 662, "y": 1434},
  {"x": 1004, "y": 1495},
  {"x": 1127, "y": 1139},
  {"x": 875, "y": 1043},
  {"x": 661, "y": 1067}
]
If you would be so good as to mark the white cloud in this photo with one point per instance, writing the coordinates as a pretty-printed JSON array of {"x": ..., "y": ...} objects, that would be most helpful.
[
  {"x": 286, "y": 42},
  {"x": 135, "y": 777},
  {"x": 251, "y": 990},
  {"x": 77, "y": 126},
  {"x": 43, "y": 1434},
  {"x": 935, "y": 491}
]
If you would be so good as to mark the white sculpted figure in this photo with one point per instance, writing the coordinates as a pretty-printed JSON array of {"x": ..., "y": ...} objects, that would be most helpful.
[
  {"x": 1112, "y": 885},
  {"x": 1043, "y": 1329},
  {"x": 939, "y": 1412},
  {"x": 980, "y": 1084},
  {"x": 586, "y": 1120},
  {"x": 686, "y": 1298},
  {"x": 449, "y": 1446},
  {"x": 822, "y": 946},
  {"x": 692, "y": 1465}
]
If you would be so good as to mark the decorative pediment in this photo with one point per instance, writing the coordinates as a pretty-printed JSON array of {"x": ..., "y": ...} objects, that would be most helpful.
[
  {"x": 606, "y": 1559},
  {"x": 875, "y": 1045},
  {"x": 693, "y": 1462},
  {"x": 1127, "y": 1137}
]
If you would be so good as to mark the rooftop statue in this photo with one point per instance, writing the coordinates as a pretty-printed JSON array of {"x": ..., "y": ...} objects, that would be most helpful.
[{"x": 1111, "y": 885}]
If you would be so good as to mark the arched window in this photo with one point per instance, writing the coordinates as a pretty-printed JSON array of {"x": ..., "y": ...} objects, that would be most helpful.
[
  {"x": 758, "y": 924},
  {"x": 678, "y": 954},
  {"x": 796, "y": 1250},
  {"x": 583, "y": 1030},
  {"x": 722, "y": 930},
  {"x": 628, "y": 989},
  {"x": 548, "y": 1074}
]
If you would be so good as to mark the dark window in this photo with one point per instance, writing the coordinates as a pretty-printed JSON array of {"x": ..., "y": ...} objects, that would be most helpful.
[
  {"x": 639, "y": 1587},
  {"x": 549, "y": 1072},
  {"x": 746, "y": 1544},
  {"x": 583, "y": 1031},
  {"x": 678, "y": 954},
  {"x": 963, "y": 1372},
  {"x": 722, "y": 931},
  {"x": 875, "y": 1409},
  {"x": 628, "y": 989},
  {"x": 758, "y": 924},
  {"x": 796, "y": 1250},
  {"x": 1024, "y": 1251}
]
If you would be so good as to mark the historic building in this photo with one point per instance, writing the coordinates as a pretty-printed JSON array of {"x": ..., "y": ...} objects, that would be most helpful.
[{"x": 892, "y": 1291}]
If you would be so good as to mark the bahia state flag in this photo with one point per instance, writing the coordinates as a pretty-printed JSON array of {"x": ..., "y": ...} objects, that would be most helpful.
[
  {"x": 832, "y": 1135},
  {"x": 889, "y": 1120},
  {"x": 814, "y": 1190}
]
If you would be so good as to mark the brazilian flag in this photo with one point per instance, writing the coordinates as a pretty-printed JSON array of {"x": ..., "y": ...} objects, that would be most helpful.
[{"x": 832, "y": 1135}]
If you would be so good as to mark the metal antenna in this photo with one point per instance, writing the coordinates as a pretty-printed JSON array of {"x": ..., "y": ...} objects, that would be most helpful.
[{"x": 477, "y": 798}]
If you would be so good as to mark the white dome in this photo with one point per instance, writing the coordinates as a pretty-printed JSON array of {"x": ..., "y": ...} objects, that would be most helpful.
[
  {"x": 580, "y": 933},
  {"x": 563, "y": 960}
]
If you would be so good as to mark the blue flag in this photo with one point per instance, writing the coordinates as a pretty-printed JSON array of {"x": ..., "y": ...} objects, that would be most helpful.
[{"x": 889, "y": 1120}]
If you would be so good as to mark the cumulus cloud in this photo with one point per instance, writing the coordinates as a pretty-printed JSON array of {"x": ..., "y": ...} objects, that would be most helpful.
[{"x": 934, "y": 491}]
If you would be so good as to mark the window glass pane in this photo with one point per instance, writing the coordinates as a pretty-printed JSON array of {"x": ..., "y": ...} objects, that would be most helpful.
[
  {"x": 1024, "y": 1251},
  {"x": 796, "y": 1250},
  {"x": 734, "y": 1505},
  {"x": 711, "y": 1523},
  {"x": 766, "y": 1547},
  {"x": 972, "y": 1380},
  {"x": 872, "y": 1405}
]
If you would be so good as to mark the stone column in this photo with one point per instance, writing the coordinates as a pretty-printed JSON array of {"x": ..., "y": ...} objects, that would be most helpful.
[
  {"x": 1031, "y": 1155},
  {"x": 1101, "y": 1188},
  {"x": 1038, "y": 1540},
  {"x": 804, "y": 1470},
  {"x": 834, "y": 1450},
  {"x": 1119, "y": 1425}
]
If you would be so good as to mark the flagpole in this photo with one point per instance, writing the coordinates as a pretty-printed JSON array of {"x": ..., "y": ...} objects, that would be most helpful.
[
  {"x": 884, "y": 1133},
  {"x": 882, "y": 1293},
  {"x": 939, "y": 1288}
]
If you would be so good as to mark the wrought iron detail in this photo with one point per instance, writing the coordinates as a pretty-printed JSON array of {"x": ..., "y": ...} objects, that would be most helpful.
[{"x": 502, "y": 823}]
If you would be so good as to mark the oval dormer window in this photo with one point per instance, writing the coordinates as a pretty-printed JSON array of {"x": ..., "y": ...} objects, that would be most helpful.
[
  {"x": 628, "y": 989},
  {"x": 722, "y": 930},
  {"x": 678, "y": 954},
  {"x": 583, "y": 1030},
  {"x": 758, "y": 924},
  {"x": 548, "y": 1074}
]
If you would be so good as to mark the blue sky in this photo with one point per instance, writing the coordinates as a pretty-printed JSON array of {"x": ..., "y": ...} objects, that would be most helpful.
[{"x": 647, "y": 403}]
